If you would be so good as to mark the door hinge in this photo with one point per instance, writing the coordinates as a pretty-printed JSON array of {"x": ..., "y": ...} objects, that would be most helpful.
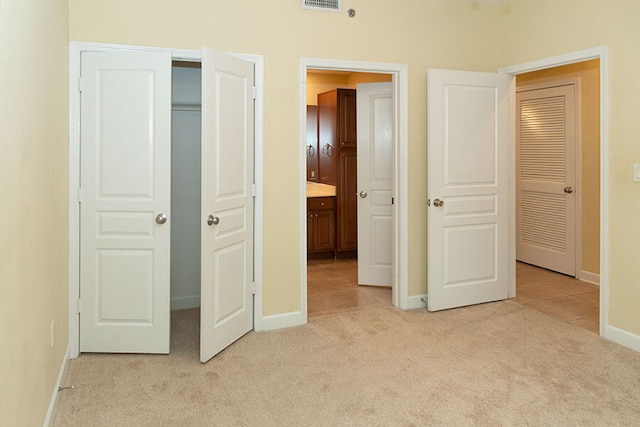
[
  {"x": 255, "y": 92},
  {"x": 79, "y": 195},
  {"x": 79, "y": 84},
  {"x": 79, "y": 306},
  {"x": 254, "y": 190},
  {"x": 253, "y": 287},
  {"x": 393, "y": 200}
]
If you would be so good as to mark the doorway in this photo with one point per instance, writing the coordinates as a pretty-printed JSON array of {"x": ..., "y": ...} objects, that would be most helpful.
[
  {"x": 398, "y": 73},
  {"x": 602, "y": 114},
  {"x": 550, "y": 287},
  {"x": 186, "y": 149},
  {"x": 348, "y": 116}
]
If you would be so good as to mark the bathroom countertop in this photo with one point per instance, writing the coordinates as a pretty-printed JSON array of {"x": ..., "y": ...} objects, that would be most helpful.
[{"x": 315, "y": 189}]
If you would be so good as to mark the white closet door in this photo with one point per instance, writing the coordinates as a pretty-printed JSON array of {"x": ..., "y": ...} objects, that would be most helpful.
[
  {"x": 125, "y": 218},
  {"x": 227, "y": 202},
  {"x": 546, "y": 170}
]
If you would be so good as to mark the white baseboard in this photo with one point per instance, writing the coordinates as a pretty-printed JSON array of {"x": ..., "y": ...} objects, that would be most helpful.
[
  {"x": 415, "y": 301},
  {"x": 182, "y": 303},
  {"x": 588, "y": 277},
  {"x": 622, "y": 337},
  {"x": 284, "y": 320},
  {"x": 53, "y": 403}
]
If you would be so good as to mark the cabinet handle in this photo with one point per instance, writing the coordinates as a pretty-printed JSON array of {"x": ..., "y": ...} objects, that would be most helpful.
[
  {"x": 327, "y": 150},
  {"x": 311, "y": 152}
]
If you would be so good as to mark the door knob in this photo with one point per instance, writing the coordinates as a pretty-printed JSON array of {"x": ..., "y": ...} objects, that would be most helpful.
[
  {"x": 363, "y": 194},
  {"x": 213, "y": 220},
  {"x": 568, "y": 190},
  {"x": 438, "y": 203},
  {"x": 161, "y": 218}
]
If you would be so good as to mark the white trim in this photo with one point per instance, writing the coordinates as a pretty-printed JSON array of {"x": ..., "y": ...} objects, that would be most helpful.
[
  {"x": 75, "y": 51},
  {"x": 589, "y": 277},
  {"x": 183, "y": 303},
  {"x": 283, "y": 320},
  {"x": 512, "y": 188},
  {"x": 602, "y": 53},
  {"x": 416, "y": 301},
  {"x": 53, "y": 402},
  {"x": 399, "y": 72},
  {"x": 622, "y": 337}
]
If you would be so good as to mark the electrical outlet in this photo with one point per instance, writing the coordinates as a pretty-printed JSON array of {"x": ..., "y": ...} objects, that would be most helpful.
[{"x": 53, "y": 332}]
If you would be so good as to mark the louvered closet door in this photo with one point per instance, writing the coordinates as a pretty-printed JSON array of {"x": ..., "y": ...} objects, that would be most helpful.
[{"x": 546, "y": 171}]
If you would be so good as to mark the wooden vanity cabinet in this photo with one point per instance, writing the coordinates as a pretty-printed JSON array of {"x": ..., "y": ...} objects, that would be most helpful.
[
  {"x": 337, "y": 162},
  {"x": 321, "y": 224}
]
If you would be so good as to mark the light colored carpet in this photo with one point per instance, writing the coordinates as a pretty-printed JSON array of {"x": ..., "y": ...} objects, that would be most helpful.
[{"x": 493, "y": 364}]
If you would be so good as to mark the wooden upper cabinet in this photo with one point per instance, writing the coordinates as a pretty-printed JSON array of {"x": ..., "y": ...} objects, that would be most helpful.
[
  {"x": 327, "y": 129},
  {"x": 311, "y": 144},
  {"x": 347, "y": 129},
  {"x": 336, "y": 129}
]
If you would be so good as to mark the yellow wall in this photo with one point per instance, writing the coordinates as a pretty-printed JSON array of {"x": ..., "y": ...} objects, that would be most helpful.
[
  {"x": 422, "y": 34},
  {"x": 323, "y": 82},
  {"x": 588, "y": 73},
  {"x": 33, "y": 195},
  {"x": 543, "y": 28},
  {"x": 437, "y": 33}
]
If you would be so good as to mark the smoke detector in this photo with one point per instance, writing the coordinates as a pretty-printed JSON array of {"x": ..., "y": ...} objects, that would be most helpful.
[{"x": 325, "y": 5}]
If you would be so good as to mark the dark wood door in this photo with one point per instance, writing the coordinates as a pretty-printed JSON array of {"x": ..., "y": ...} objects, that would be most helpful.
[
  {"x": 348, "y": 201},
  {"x": 347, "y": 129},
  {"x": 311, "y": 146},
  {"x": 327, "y": 128}
]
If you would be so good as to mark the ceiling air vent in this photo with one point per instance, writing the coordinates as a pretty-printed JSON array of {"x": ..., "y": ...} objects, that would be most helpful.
[{"x": 326, "y": 5}]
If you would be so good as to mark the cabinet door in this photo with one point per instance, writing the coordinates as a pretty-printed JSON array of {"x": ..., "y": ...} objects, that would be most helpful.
[
  {"x": 324, "y": 230},
  {"x": 311, "y": 144},
  {"x": 347, "y": 201},
  {"x": 327, "y": 128},
  {"x": 347, "y": 129}
]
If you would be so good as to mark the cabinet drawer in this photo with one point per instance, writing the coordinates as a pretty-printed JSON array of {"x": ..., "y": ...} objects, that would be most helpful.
[{"x": 316, "y": 203}]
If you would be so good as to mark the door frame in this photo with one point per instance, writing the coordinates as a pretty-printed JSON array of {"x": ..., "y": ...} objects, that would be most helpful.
[
  {"x": 75, "y": 52},
  {"x": 601, "y": 53},
  {"x": 400, "y": 264}
]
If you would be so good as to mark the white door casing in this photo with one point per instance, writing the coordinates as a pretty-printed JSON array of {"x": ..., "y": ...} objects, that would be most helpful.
[
  {"x": 227, "y": 202},
  {"x": 375, "y": 179},
  {"x": 468, "y": 222},
  {"x": 545, "y": 177},
  {"x": 125, "y": 185}
]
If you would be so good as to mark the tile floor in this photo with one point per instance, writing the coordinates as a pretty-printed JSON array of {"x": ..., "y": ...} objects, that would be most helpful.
[{"x": 332, "y": 288}]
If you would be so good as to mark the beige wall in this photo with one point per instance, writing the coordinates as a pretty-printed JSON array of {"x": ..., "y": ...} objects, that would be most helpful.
[
  {"x": 437, "y": 33},
  {"x": 588, "y": 73},
  {"x": 543, "y": 28},
  {"x": 33, "y": 195},
  {"x": 323, "y": 82}
]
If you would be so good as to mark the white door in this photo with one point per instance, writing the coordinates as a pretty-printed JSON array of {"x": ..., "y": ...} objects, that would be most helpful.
[
  {"x": 467, "y": 188},
  {"x": 227, "y": 202},
  {"x": 375, "y": 145},
  {"x": 546, "y": 192},
  {"x": 125, "y": 200}
]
